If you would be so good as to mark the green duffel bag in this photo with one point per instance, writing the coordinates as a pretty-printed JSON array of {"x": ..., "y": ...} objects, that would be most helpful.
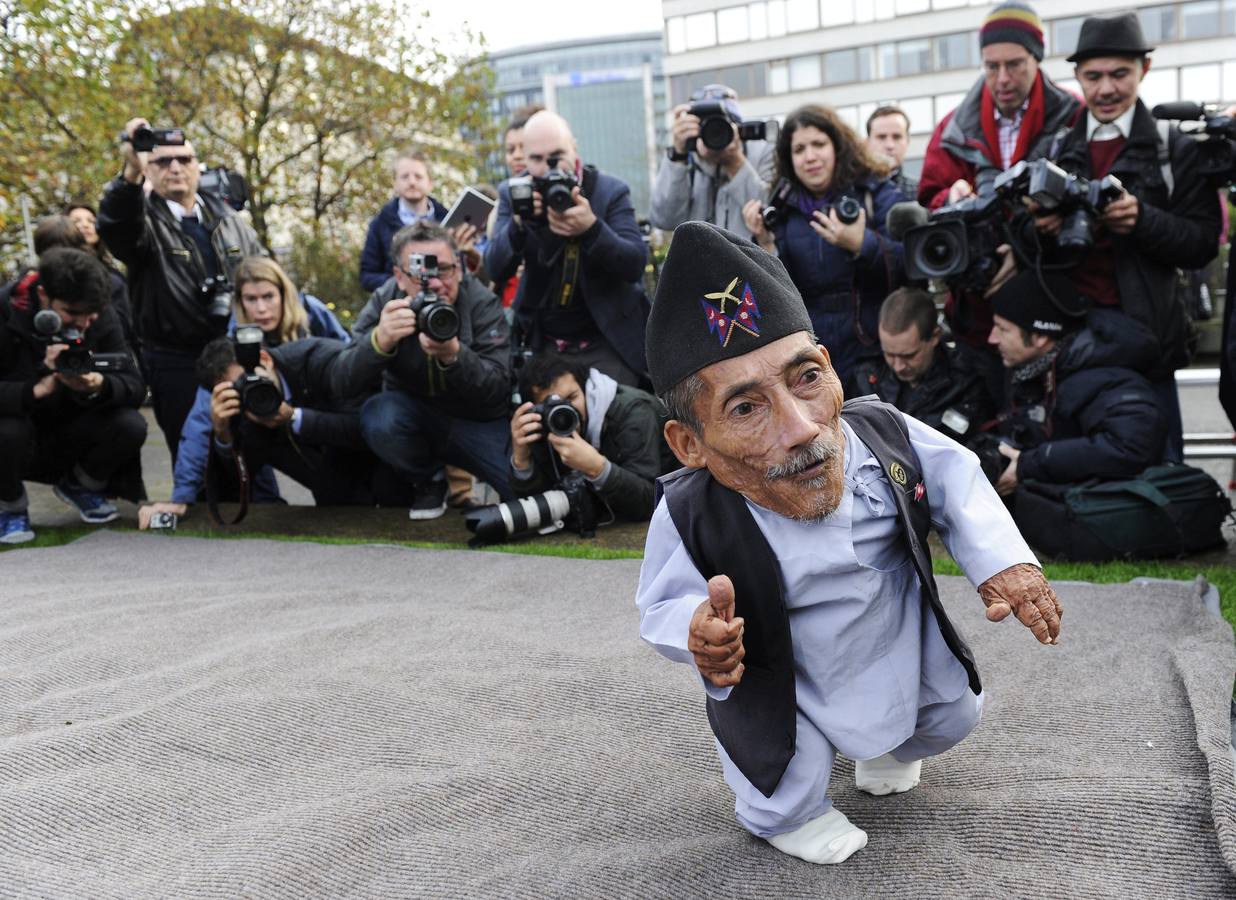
[{"x": 1166, "y": 511}]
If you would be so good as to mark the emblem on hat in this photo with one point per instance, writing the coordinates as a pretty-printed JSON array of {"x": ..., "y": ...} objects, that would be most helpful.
[
  {"x": 897, "y": 473},
  {"x": 744, "y": 314}
]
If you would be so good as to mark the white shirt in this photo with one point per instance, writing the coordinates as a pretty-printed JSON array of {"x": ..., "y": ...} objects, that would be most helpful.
[
  {"x": 865, "y": 660},
  {"x": 1098, "y": 131},
  {"x": 180, "y": 212}
]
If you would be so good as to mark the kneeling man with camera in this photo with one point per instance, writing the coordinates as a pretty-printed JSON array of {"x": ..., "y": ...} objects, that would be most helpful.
[
  {"x": 578, "y": 419},
  {"x": 69, "y": 394},
  {"x": 788, "y": 561}
]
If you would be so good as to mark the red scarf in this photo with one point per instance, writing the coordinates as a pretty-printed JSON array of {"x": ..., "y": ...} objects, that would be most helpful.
[{"x": 1031, "y": 124}]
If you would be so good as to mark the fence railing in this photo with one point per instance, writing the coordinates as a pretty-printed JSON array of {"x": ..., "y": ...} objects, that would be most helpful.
[{"x": 1207, "y": 444}]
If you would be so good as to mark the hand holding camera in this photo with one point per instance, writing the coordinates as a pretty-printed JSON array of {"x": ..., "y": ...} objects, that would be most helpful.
[
  {"x": 1120, "y": 215},
  {"x": 844, "y": 225},
  {"x": 526, "y": 430},
  {"x": 573, "y": 220},
  {"x": 757, "y": 224},
  {"x": 134, "y": 161},
  {"x": 576, "y": 453},
  {"x": 397, "y": 322}
]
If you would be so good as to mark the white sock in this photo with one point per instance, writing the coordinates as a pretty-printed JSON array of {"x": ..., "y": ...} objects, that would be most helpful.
[
  {"x": 885, "y": 775},
  {"x": 831, "y": 838}
]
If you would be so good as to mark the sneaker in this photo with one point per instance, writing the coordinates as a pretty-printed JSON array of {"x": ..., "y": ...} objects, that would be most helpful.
[
  {"x": 430, "y": 502},
  {"x": 15, "y": 528},
  {"x": 92, "y": 507}
]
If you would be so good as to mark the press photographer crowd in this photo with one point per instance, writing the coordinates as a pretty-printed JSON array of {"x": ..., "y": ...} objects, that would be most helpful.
[{"x": 1027, "y": 297}]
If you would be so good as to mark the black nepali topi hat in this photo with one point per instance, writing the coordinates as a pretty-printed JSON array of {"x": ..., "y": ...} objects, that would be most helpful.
[
  {"x": 719, "y": 296},
  {"x": 1050, "y": 306},
  {"x": 1110, "y": 36}
]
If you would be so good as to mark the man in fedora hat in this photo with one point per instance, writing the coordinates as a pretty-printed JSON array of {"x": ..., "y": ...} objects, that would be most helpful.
[
  {"x": 1167, "y": 216},
  {"x": 788, "y": 562}
]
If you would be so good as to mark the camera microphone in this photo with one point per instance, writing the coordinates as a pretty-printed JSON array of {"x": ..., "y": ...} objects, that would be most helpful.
[
  {"x": 904, "y": 216},
  {"x": 47, "y": 322},
  {"x": 1181, "y": 110}
]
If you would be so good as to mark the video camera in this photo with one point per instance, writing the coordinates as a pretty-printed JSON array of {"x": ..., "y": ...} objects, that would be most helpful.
[
  {"x": 555, "y": 188},
  {"x": 1216, "y": 138},
  {"x": 228, "y": 186},
  {"x": 75, "y": 359},
  {"x": 1077, "y": 199},
  {"x": 717, "y": 124},
  {"x": 572, "y": 504},
  {"x": 958, "y": 244},
  {"x": 434, "y": 316},
  {"x": 258, "y": 394},
  {"x": 146, "y": 139}
]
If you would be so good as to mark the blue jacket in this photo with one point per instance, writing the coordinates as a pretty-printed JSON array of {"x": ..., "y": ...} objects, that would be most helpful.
[
  {"x": 194, "y": 449},
  {"x": 834, "y": 284},
  {"x": 376, "y": 264},
  {"x": 611, "y": 276}
]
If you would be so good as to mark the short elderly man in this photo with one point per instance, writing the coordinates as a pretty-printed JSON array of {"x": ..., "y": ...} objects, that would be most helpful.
[{"x": 788, "y": 563}]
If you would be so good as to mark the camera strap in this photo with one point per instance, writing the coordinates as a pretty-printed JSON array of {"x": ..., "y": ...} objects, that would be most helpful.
[
  {"x": 212, "y": 484},
  {"x": 570, "y": 272}
]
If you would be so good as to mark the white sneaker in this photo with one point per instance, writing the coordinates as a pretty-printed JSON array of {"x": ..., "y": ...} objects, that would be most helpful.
[
  {"x": 831, "y": 838},
  {"x": 885, "y": 775}
]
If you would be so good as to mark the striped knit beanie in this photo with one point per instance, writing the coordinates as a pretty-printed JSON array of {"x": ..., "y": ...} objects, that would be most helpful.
[{"x": 1014, "y": 23}]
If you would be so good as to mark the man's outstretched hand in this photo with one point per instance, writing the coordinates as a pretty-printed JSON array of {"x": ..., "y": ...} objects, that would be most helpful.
[
  {"x": 715, "y": 637},
  {"x": 1023, "y": 591}
]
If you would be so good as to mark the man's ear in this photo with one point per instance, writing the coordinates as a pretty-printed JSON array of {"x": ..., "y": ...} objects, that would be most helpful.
[{"x": 686, "y": 444}]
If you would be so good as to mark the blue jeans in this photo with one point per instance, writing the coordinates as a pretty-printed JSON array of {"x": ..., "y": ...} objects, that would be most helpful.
[{"x": 416, "y": 440}]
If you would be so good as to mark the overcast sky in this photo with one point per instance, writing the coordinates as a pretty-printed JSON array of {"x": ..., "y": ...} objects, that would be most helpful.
[{"x": 507, "y": 24}]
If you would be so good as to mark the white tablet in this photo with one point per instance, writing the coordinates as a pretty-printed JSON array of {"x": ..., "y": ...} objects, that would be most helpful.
[{"x": 472, "y": 208}]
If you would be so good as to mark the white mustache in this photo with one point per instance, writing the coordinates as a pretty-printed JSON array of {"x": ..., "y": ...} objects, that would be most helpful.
[{"x": 817, "y": 451}]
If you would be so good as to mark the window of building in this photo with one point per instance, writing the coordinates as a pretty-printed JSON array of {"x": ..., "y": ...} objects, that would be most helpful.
[
  {"x": 1199, "y": 20},
  {"x": 919, "y": 112},
  {"x": 776, "y": 18},
  {"x": 1229, "y": 79},
  {"x": 1229, "y": 17},
  {"x": 701, "y": 30},
  {"x": 866, "y": 63},
  {"x": 1159, "y": 23},
  {"x": 946, "y": 103},
  {"x": 910, "y": 7},
  {"x": 1201, "y": 83},
  {"x": 802, "y": 15},
  {"x": 947, "y": 4},
  {"x": 913, "y": 57},
  {"x": 884, "y": 9},
  {"x": 804, "y": 73},
  {"x": 732, "y": 25},
  {"x": 849, "y": 115},
  {"x": 1160, "y": 86},
  {"x": 956, "y": 51},
  {"x": 888, "y": 60},
  {"x": 778, "y": 77},
  {"x": 1064, "y": 34},
  {"x": 841, "y": 67},
  {"x": 836, "y": 12},
  {"x": 757, "y": 14}
]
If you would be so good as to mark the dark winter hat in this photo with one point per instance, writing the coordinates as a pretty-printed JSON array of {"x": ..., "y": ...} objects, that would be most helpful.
[
  {"x": 719, "y": 296},
  {"x": 1014, "y": 23},
  {"x": 1114, "y": 36},
  {"x": 1050, "y": 306}
]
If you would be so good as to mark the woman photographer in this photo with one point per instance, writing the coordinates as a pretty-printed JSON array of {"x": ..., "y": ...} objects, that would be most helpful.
[
  {"x": 264, "y": 296},
  {"x": 829, "y": 230},
  {"x": 83, "y": 218}
]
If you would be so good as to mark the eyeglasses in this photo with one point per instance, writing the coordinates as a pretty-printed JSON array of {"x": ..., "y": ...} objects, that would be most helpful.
[{"x": 164, "y": 161}]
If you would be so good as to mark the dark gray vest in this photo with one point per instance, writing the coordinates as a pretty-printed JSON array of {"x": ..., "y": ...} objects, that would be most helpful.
[{"x": 756, "y": 724}]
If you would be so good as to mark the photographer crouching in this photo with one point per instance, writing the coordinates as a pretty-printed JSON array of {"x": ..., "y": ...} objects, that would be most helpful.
[{"x": 69, "y": 393}]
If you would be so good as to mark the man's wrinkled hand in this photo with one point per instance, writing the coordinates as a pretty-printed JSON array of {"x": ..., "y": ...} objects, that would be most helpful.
[
  {"x": 1023, "y": 591},
  {"x": 715, "y": 635}
]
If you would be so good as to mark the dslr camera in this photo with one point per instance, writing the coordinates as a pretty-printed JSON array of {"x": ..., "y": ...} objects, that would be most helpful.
[
  {"x": 572, "y": 504},
  {"x": 258, "y": 394},
  {"x": 717, "y": 125},
  {"x": 216, "y": 293},
  {"x": 1077, "y": 199},
  {"x": 434, "y": 316},
  {"x": 75, "y": 359},
  {"x": 555, "y": 188},
  {"x": 557, "y": 416},
  {"x": 1215, "y": 135},
  {"x": 146, "y": 139},
  {"x": 848, "y": 208}
]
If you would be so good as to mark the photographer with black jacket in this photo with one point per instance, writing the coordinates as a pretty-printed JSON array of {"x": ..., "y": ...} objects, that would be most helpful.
[
  {"x": 616, "y": 441},
  {"x": 171, "y": 241},
  {"x": 67, "y": 424},
  {"x": 445, "y": 401}
]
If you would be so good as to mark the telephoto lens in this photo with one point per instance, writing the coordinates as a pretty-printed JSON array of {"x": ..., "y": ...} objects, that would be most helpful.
[{"x": 542, "y": 513}]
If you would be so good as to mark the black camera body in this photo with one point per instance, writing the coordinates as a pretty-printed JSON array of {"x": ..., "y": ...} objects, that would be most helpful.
[
  {"x": 571, "y": 504},
  {"x": 555, "y": 188},
  {"x": 717, "y": 126},
  {"x": 778, "y": 199},
  {"x": 146, "y": 139},
  {"x": 216, "y": 293},
  {"x": 258, "y": 394},
  {"x": 557, "y": 416},
  {"x": 1077, "y": 199},
  {"x": 434, "y": 316},
  {"x": 1215, "y": 137},
  {"x": 75, "y": 359},
  {"x": 958, "y": 244},
  {"x": 228, "y": 186}
]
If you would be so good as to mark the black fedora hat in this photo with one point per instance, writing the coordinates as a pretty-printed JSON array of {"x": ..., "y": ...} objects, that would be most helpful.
[{"x": 1112, "y": 36}]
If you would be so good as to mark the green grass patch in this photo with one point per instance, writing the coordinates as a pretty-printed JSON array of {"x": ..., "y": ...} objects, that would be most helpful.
[{"x": 53, "y": 536}]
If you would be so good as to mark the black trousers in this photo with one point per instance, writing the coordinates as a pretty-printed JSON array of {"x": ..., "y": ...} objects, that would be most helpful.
[
  {"x": 173, "y": 388},
  {"x": 336, "y": 476},
  {"x": 46, "y": 449}
]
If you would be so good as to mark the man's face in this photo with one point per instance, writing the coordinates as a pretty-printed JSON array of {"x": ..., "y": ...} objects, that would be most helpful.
[
  {"x": 262, "y": 303},
  {"x": 771, "y": 428},
  {"x": 173, "y": 173},
  {"x": 907, "y": 354},
  {"x": 445, "y": 284},
  {"x": 1013, "y": 345},
  {"x": 72, "y": 314},
  {"x": 890, "y": 137},
  {"x": 412, "y": 181},
  {"x": 513, "y": 147},
  {"x": 566, "y": 387},
  {"x": 541, "y": 145},
  {"x": 1010, "y": 71},
  {"x": 1109, "y": 84}
]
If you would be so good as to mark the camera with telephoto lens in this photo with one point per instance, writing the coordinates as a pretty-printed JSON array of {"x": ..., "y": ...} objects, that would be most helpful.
[
  {"x": 572, "y": 504},
  {"x": 75, "y": 359},
  {"x": 958, "y": 244},
  {"x": 216, "y": 292},
  {"x": 258, "y": 394},
  {"x": 557, "y": 416},
  {"x": 434, "y": 316},
  {"x": 146, "y": 138},
  {"x": 1214, "y": 133},
  {"x": 1078, "y": 200}
]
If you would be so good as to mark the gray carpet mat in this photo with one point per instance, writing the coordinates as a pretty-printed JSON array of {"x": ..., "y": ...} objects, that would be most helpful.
[{"x": 191, "y": 718}]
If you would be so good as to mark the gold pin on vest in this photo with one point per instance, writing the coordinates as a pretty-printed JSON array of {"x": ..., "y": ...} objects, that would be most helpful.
[{"x": 897, "y": 473}]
